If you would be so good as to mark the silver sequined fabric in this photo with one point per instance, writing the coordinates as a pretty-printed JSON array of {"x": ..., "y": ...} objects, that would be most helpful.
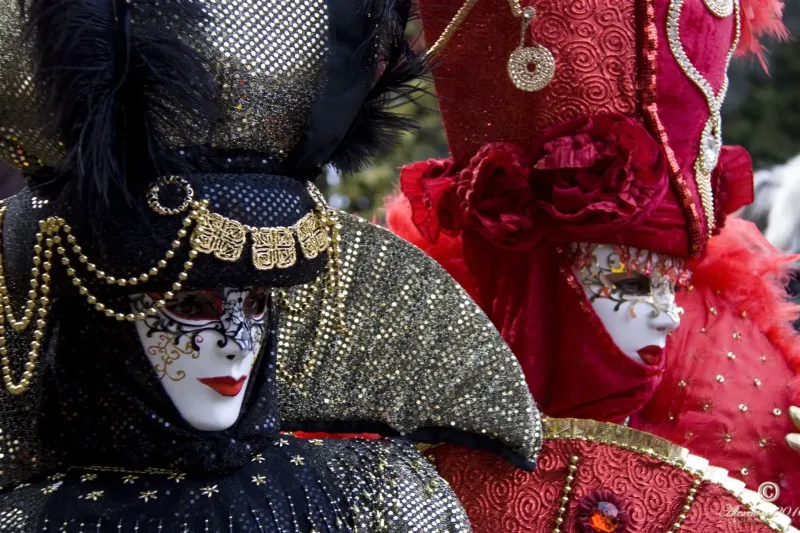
[
  {"x": 416, "y": 351},
  {"x": 23, "y": 143},
  {"x": 267, "y": 55}
]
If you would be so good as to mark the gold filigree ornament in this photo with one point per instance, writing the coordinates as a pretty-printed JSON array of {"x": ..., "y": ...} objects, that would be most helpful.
[
  {"x": 530, "y": 68},
  {"x": 711, "y": 138},
  {"x": 213, "y": 234}
]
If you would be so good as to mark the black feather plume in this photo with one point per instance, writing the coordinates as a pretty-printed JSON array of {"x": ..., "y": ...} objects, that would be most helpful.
[
  {"x": 120, "y": 81},
  {"x": 377, "y": 128}
]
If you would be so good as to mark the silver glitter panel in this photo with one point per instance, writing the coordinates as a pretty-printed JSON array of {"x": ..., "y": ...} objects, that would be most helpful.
[
  {"x": 23, "y": 143},
  {"x": 405, "y": 495},
  {"x": 416, "y": 351},
  {"x": 267, "y": 57}
]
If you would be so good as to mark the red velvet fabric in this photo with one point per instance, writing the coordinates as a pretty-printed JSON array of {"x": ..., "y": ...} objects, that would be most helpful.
[
  {"x": 499, "y": 498},
  {"x": 682, "y": 108},
  {"x": 573, "y": 367}
]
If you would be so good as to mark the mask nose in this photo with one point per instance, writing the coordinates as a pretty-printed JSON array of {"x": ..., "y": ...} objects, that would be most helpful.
[
  {"x": 667, "y": 315},
  {"x": 667, "y": 321}
]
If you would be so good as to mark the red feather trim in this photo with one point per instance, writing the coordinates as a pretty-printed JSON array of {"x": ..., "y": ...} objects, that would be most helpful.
[
  {"x": 744, "y": 269},
  {"x": 760, "y": 19}
]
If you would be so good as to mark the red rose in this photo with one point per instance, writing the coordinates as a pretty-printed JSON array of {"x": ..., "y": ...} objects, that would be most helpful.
[
  {"x": 595, "y": 174},
  {"x": 426, "y": 185},
  {"x": 496, "y": 198}
]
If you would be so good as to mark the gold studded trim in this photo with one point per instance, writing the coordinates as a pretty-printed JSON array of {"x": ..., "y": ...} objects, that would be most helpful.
[
  {"x": 662, "y": 449},
  {"x": 615, "y": 435}
]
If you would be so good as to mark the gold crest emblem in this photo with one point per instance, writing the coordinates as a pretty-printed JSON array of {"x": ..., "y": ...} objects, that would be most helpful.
[
  {"x": 273, "y": 247},
  {"x": 223, "y": 237}
]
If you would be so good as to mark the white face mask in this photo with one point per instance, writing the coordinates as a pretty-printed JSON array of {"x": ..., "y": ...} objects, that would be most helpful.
[
  {"x": 632, "y": 291},
  {"x": 203, "y": 346}
]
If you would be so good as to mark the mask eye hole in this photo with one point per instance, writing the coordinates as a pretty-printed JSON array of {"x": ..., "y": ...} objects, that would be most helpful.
[
  {"x": 195, "y": 305},
  {"x": 256, "y": 302},
  {"x": 632, "y": 285}
]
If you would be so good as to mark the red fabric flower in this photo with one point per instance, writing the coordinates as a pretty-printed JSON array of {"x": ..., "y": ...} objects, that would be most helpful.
[
  {"x": 595, "y": 174},
  {"x": 426, "y": 184},
  {"x": 496, "y": 198},
  {"x": 583, "y": 179}
]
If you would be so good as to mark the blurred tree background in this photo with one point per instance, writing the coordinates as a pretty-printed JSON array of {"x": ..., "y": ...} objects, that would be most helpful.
[{"x": 762, "y": 113}]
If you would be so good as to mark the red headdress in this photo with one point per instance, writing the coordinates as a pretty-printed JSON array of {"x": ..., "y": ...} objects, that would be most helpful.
[
  {"x": 614, "y": 137},
  {"x": 622, "y": 146}
]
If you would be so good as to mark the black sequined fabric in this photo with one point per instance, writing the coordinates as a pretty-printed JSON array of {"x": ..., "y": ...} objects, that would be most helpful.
[{"x": 293, "y": 486}]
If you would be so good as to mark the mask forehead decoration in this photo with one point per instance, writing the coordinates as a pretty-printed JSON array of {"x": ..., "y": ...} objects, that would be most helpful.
[{"x": 628, "y": 275}]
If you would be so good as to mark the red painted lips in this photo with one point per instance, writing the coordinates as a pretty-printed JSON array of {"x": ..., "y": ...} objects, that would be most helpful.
[
  {"x": 651, "y": 355},
  {"x": 225, "y": 386}
]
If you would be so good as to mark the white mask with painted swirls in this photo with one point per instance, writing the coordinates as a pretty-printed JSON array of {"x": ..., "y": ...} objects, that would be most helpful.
[
  {"x": 203, "y": 346},
  {"x": 632, "y": 291}
]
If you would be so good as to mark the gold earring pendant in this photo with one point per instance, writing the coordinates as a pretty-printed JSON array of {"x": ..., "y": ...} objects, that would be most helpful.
[{"x": 531, "y": 68}]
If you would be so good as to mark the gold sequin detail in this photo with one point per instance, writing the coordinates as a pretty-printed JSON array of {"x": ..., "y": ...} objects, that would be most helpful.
[
  {"x": 711, "y": 138},
  {"x": 414, "y": 350}
]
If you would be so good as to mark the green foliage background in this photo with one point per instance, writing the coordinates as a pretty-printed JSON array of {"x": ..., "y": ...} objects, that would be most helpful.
[{"x": 762, "y": 113}]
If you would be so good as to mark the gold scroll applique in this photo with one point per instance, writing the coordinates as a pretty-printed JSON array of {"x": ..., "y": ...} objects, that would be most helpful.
[
  {"x": 313, "y": 237},
  {"x": 273, "y": 247},
  {"x": 223, "y": 237}
]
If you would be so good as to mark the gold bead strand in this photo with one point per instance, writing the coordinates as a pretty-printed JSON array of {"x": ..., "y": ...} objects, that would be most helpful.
[
  {"x": 30, "y": 306},
  {"x": 144, "y": 277},
  {"x": 564, "y": 501},
  {"x": 119, "y": 316},
  {"x": 687, "y": 506},
  {"x": 41, "y": 321}
]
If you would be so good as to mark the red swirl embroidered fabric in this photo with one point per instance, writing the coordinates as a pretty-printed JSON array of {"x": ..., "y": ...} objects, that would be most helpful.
[
  {"x": 500, "y": 498},
  {"x": 592, "y": 41}
]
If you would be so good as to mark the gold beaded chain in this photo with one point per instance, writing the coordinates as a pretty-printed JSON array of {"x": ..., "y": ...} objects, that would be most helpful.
[
  {"x": 53, "y": 233},
  {"x": 333, "y": 302}
]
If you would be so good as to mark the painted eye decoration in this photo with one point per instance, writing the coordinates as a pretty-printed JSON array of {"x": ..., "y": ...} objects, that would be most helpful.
[
  {"x": 255, "y": 303},
  {"x": 636, "y": 285},
  {"x": 196, "y": 305}
]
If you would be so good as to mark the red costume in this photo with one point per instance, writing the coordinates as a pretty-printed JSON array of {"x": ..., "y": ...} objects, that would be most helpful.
[{"x": 621, "y": 147}]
